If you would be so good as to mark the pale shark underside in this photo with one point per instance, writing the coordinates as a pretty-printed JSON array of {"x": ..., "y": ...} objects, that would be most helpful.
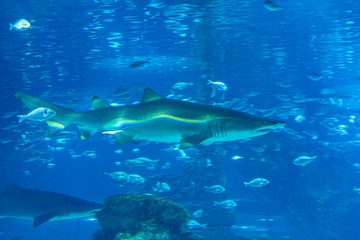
[{"x": 157, "y": 119}]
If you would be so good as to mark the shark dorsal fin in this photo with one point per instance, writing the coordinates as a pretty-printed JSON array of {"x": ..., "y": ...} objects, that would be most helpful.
[
  {"x": 98, "y": 103},
  {"x": 149, "y": 95},
  {"x": 12, "y": 187}
]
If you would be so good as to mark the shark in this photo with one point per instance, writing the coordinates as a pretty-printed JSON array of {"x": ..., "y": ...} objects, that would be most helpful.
[
  {"x": 42, "y": 206},
  {"x": 158, "y": 119}
]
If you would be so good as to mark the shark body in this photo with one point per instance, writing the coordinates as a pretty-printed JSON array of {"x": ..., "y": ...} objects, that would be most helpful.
[
  {"x": 42, "y": 206},
  {"x": 158, "y": 119}
]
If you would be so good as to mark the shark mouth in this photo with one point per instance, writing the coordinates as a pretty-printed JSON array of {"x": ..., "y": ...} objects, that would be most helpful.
[
  {"x": 277, "y": 125},
  {"x": 264, "y": 130}
]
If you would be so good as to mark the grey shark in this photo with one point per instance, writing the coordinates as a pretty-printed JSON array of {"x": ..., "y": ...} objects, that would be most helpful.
[
  {"x": 158, "y": 119},
  {"x": 43, "y": 206}
]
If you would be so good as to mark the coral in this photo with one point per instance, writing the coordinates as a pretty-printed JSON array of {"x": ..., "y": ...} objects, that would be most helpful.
[{"x": 136, "y": 216}]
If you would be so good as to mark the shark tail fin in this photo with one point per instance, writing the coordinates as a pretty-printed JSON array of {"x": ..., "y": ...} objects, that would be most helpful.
[
  {"x": 20, "y": 118},
  {"x": 62, "y": 119}
]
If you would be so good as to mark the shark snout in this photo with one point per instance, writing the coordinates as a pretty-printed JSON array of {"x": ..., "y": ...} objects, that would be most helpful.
[
  {"x": 279, "y": 124},
  {"x": 273, "y": 124}
]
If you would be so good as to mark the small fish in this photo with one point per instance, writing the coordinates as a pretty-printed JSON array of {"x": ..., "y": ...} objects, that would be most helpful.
[
  {"x": 121, "y": 178},
  {"x": 9, "y": 114},
  {"x": 50, "y": 165},
  {"x": 161, "y": 187},
  {"x": 62, "y": 140},
  {"x": 5, "y": 141},
  {"x": 198, "y": 213},
  {"x": 192, "y": 224},
  {"x": 136, "y": 150},
  {"x": 271, "y": 5},
  {"x": 315, "y": 76},
  {"x": 235, "y": 158},
  {"x": 257, "y": 182},
  {"x": 138, "y": 64},
  {"x": 181, "y": 85},
  {"x": 135, "y": 178},
  {"x": 122, "y": 91},
  {"x": 90, "y": 154},
  {"x": 303, "y": 160},
  {"x": 40, "y": 114},
  {"x": 119, "y": 151},
  {"x": 20, "y": 25},
  {"x": 106, "y": 2},
  {"x": 166, "y": 165},
  {"x": 215, "y": 189},
  {"x": 218, "y": 85},
  {"x": 141, "y": 162},
  {"x": 357, "y": 166},
  {"x": 186, "y": 159},
  {"x": 356, "y": 189},
  {"x": 299, "y": 118},
  {"x": 226, "y": 204},
  {"x": 117, "y": 176}
]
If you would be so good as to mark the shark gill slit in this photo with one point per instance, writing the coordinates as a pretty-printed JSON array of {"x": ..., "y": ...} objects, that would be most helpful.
[{"x": 218, "y": 130}]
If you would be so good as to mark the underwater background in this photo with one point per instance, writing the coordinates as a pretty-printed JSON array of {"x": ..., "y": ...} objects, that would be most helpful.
[{"x": 298, "y": 63}]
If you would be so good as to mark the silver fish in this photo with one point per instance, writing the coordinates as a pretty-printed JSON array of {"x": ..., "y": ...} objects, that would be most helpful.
[
  {"x": 257, "y": 182},
  {"x": 271, "y": 5},
  {"x": 215, "y": 189},
  {"x": 226, "y": 204},
  {"x": 20, "y": 25},
  {"x": 39, "y": 114},
  {"x": 192, "y": 224},
  {"x": 304, "y": 160}
]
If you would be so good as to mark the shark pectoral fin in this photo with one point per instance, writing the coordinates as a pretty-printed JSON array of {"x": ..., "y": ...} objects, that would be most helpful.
[
  {"x": 98, "y": 103},
  {"x": 43, "y": 218},
  {"x": 193, "y": 140},
  {"x": 122, "y": 138},
  {"x": 52, "y": 132},
  {"x": 54, "y": 128},
  {"x": 85, "y": 133}
]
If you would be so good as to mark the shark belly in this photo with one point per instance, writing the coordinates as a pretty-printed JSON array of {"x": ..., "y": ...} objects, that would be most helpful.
[{"x": 164, "y": 130}]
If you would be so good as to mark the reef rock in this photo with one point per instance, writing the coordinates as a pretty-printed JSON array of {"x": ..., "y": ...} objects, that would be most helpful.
[{"x": 130, "y": 216}]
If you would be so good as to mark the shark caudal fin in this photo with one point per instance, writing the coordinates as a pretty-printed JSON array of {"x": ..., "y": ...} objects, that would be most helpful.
[{"x": 63, "y": 118}]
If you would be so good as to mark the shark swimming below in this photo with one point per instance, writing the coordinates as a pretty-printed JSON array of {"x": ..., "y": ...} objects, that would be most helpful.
[
  {"x": 158, "y": 119},
  {"x": 43, "y": 206}
]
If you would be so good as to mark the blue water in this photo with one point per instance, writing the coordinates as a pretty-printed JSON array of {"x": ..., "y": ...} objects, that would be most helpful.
[{"x": 300, "y": 65}]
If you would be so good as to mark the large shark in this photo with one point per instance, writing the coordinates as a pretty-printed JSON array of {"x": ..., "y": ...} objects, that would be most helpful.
[
  {"x": 158, "y": 119},
  {"x": 42, "y": 206}
]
